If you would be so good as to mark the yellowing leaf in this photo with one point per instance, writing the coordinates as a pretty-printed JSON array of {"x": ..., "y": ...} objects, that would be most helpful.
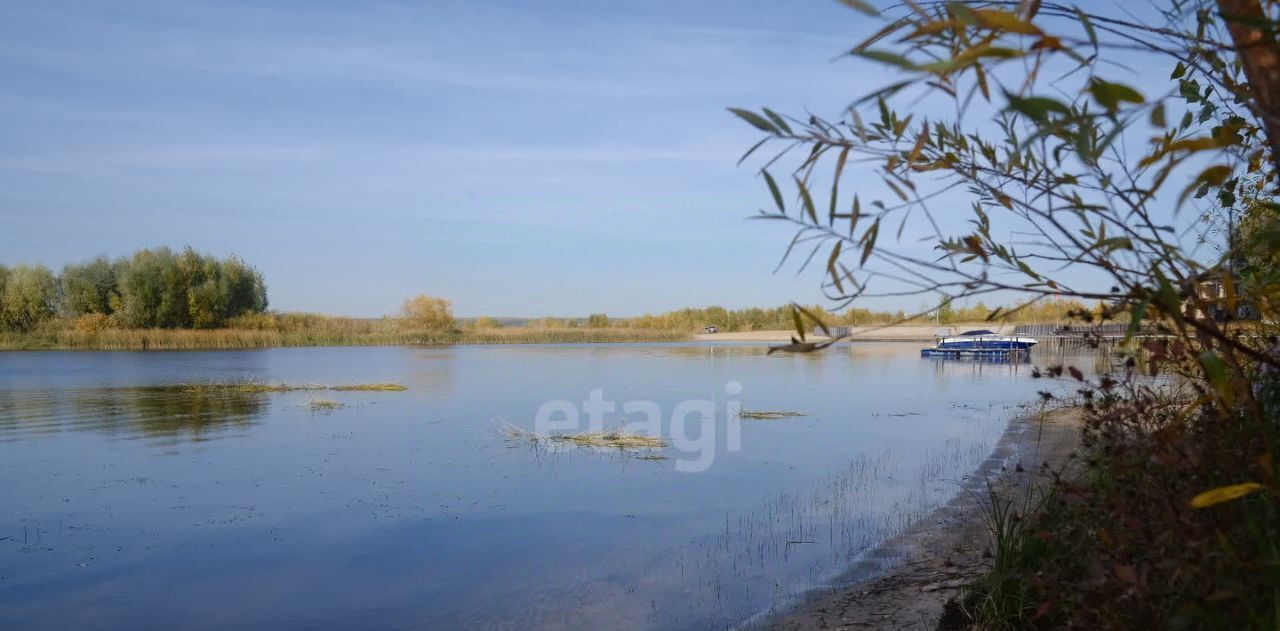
[
  {"x": 1213, "y": 176},
  {"x": 997, "y": 20},
  {"x": 970, "y": 56},
  {"x": 932, "y": 28},
  {"x": 1224, "y": 494},
  {"x": 1190, "y": 145}
]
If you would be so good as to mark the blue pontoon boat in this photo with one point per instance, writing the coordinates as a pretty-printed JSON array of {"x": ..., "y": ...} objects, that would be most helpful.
[{"x": 983, "y": 339}]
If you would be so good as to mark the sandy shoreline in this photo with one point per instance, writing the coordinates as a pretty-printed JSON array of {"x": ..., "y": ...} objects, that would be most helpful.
[
  {"x": 913, "y": 333},
  {"x": 927, "y": 564}
]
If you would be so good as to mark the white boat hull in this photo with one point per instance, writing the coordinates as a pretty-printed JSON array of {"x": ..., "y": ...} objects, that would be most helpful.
[{"x": 986, "y": 342}]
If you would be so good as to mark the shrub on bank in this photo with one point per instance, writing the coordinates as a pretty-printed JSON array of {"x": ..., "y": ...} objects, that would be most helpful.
[{"x": 1136, "y": 541}]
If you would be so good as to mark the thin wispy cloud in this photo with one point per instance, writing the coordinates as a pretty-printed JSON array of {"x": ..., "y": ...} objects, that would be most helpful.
[{"x": 562, "y": 135}]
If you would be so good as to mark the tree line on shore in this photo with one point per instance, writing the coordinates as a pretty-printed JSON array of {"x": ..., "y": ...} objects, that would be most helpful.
[
  {"x": 184, "y": 289},
  {"x": 153, "y": 288},
  {"x": 780, "y": 317}
]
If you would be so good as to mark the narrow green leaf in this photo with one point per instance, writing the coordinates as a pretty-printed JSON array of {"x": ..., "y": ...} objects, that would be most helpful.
[
  {"x": 1215, "y": 371},
  {"x": 885, "y": 57},
  {"x": 869, "y": 241},
  {"x": 1135, "y": 319},
  {"x": 773, "y": 190},
  {"x": 816, "y": 320},
  {"x": 860, "y": 5},
  {"x": 1109, "y": 95},
  {"x": 756, "y": 120},
  {"x": 835, "y": 185},
  {"x": 779, "y": 121},
  {"x": 835, "y": 256},
  {"x": 1036, "y": 108},
  {"x": 753, "y": 149},
  {"x": 1088, "y": 27},
  {"x": 807, "y": 200}
]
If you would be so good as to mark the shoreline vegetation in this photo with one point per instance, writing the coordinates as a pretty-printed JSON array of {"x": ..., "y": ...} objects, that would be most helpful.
[
  {"x": 167, "y": 299},
  {"x": 241, "y": 338},
  {"x": 320, "y": 331}
]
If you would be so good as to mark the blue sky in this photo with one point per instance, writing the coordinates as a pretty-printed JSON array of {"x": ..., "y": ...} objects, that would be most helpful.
[{"x": 518, "y": 158}]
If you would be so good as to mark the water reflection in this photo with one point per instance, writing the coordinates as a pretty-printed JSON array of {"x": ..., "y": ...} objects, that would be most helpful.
[
  {"x": 404, "y": 510},
  {"x": 129, "y": 412}
]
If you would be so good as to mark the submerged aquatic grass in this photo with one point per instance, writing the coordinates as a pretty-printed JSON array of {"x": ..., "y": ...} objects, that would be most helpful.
[
  {"x": 615, "y": 439},
  {"x": 768, "y": 415},
  {"x": 252, "y": 386},
  {"x": 325, "y": 405},
  {"x": 609, "y": 439},
  {"x": 242, "y": 386},
  {"x": 369, "y": 387}
]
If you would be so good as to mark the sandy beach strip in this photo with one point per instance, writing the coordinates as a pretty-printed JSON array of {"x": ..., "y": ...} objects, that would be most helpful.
[
  {"x": 903, "y": 333},
  {"x": 905, "y": 582}
]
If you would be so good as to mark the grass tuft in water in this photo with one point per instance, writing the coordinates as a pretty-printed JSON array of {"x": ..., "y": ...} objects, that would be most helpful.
[
  {"x": 241, "y": 386},
  {"x": 609, "y": 439},
  {"x": 768, "y": 415},
  {"x": 369, "y": 387},
  {"x": 613, "y": 439},
  {"x": 324, "y": 405},
  {"x": 255, "y": 386}
]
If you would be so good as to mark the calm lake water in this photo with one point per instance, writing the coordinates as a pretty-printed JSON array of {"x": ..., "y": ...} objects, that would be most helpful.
[{"x": 133, "y": 508}]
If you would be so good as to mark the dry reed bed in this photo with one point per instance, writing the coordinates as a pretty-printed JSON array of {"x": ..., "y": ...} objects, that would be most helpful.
[{"x": 322, "y": 335}]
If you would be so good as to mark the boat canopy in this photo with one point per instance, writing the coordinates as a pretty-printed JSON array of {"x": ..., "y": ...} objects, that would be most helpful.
[{"x": 979, "y": 332}]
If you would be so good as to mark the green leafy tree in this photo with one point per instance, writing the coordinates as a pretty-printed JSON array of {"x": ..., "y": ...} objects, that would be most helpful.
[
  {"x": 147, "y": 283},
  {"x": 89, "y": 287},
  {"x": 30, "y": 297},
  {"x": 4, "y": 282},
  {"x": 243, "y": 288},
  {"x": 598, "y": 321},
  {"x": 947, "y": 313}
]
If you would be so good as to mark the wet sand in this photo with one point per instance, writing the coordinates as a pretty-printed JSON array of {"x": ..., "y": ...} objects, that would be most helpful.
[{"x": 926, "y": 565}]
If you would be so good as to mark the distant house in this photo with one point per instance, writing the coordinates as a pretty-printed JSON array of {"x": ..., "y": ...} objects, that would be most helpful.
[
  {"x": 1214, "y": 298},
  {"x": 710, "y": 329}
]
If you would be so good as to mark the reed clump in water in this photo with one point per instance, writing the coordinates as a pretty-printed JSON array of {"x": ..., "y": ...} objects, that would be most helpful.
[
  {"x": 324, "y": 405},
  {"x": 608, "y": 439},
  {"x": 255, "y": 386},
  {"x": 768, "y": 415},
  {"x": 245, "y": 386},
  {"x": 369, "y": 387}
]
